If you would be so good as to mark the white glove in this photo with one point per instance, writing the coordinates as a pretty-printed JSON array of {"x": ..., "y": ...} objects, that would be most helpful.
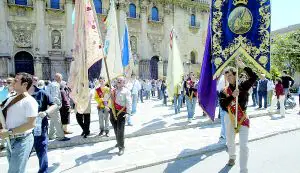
[
  {"x": 42, "y": 114},
  {"x": 127, "y": 115}
]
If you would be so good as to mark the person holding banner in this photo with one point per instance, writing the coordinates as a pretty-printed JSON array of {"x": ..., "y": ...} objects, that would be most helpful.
[
  {"x": 228, "y": 97},
  {"x": 123, "y": 106},
  {"x": 101, "y": 96},
  {"x": 20, "y": 112}
]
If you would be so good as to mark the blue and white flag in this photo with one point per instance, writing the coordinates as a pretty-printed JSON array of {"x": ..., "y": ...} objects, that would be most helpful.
[{"x": 126, "y": 48}]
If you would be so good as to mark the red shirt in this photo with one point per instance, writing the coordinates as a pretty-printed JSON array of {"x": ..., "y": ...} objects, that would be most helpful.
[{"x": 279, "y": 90}]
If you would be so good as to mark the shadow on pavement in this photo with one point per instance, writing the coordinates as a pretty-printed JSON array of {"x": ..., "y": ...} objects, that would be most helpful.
[
  {"x": 155, "y": 120},
  {"x": 102, "y": 155},
  {"x": 156, "y": 125},
  {"x": 226, "y": 169},
  {"x": 182, "y": 165},
  {"x": 53, "y": 167}
]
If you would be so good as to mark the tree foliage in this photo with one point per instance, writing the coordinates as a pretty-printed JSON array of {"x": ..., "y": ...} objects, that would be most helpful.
[{"x": 285, "y": 52}]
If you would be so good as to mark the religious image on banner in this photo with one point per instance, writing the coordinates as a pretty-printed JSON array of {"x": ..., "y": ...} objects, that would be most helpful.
[{"x": 241, "y": 27}]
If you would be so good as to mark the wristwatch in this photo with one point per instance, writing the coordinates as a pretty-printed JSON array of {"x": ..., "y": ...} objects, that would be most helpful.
[{"x": 47, "y": 115}]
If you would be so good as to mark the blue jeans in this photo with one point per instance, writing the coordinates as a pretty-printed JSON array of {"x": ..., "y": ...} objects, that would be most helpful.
[
  {"x": 223, "y": 129},
  {"x": 41, "y": 147},
  {"x": 134, "y": 103},
  {"x": 262, "y": 94},
  {"x": 254, "y": 98},
  {"x": 147, "y": 94},
  {"x": 286, "y": 91},
  {"x": 177, "y": 103},
  {"x": 21, "y": 148},
  {"x": 191, "y": 105},
  {"x": 142, "y": 95}
]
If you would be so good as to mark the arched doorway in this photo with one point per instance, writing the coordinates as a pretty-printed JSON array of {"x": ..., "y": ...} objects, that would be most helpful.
[
  {"x": 24, "y": 63},
  {"x": 154, "y": 67},
  {"x": 94, "y": 70}
]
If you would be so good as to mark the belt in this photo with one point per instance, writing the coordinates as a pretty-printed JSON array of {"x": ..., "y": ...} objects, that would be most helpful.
[{"x": 20, "y": 135}]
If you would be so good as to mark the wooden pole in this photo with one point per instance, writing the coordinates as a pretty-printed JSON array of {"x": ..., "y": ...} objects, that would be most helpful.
[
  {"x": 237, "y": 98},
  {"x": 105, "y": 63}
]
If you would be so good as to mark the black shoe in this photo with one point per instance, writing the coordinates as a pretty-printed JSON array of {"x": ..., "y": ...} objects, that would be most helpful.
[
  {"x": 82, "y": 134},
  {"x": 107, "y": 133},
  {"x": 85, "y": 136},
  {"x": 116, "y": 146},
  {"x": 121, "y": 151},
  {"x": 101, "y": 133}
]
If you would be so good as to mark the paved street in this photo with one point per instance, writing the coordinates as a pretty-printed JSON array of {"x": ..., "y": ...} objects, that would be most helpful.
[
  {"x": 151, "y": 117},
  {"x": 278, "y": 154},
  {"x": 150, "y": 149}
]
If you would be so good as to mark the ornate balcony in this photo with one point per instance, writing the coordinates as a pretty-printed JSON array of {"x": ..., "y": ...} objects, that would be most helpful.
[
  {"x": 160, "y": 20},
  {"x": 56, "y": 7},
  {"x": 131, "y": 16},
  {"x": 26, "y": 4}
]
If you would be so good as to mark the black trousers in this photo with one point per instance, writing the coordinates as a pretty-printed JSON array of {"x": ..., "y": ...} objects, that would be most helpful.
[
  {"x": 119, "y": 127},
  {"x": 84, "y": 121}
]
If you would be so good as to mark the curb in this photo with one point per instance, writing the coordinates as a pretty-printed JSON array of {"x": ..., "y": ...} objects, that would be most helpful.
[
  {"x": 82, "y": 141},
  {"x": 202, "y": 151}
]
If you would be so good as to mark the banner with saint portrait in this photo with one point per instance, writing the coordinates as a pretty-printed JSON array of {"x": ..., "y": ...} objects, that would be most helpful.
[{"x": 240, "y": 27}]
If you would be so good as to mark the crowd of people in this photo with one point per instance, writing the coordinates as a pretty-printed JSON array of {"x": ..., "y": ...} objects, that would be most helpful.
[{"x": 44, "y": 107}]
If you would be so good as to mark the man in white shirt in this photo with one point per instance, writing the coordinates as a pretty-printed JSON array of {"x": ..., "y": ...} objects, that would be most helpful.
[
  {"x": 123, "y": 106},
  {"x": 20, "y": 112},
  {"x": 55, "y": 119},
  {"x": 134, "y": 86}
]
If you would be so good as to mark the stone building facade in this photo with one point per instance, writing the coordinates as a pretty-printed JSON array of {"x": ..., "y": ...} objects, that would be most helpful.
[{"x": 36, "y": 36}]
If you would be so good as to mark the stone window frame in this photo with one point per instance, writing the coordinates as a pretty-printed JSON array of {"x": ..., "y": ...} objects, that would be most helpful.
[
  {"x": 155, "y": 18},
  {"x": 193, "y": 59},
  {"x": 61, "y": 29},
  {"x": 132, "y": 10}
]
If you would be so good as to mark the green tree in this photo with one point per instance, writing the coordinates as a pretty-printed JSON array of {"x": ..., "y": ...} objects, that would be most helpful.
[{"x": 285, "y": 52}]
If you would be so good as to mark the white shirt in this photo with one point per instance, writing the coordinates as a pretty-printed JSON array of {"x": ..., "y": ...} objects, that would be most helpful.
[
  {"x": 18, "y": 113},
  {"x": 123, "y": 98},
  {"x": 270, "y": 85},
  {"x": 221, "y": 83},
  {"x": 54, "y": 92},
  {"x": 134, "y": 86}
]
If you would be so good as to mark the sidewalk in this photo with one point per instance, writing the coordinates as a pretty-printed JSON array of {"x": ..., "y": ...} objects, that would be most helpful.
[
  {"x": 153, "y": 149},
  {"x": 151, "y": 118}
]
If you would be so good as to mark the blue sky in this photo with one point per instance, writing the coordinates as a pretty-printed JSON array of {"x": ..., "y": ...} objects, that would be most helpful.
[{"x": 285, "y": 13}]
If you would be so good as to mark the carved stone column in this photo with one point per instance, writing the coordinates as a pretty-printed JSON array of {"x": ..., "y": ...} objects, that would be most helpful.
[
  {"x": 38, "y": 70},
  {"x": 160, "y": 69},
  {"x": 144, "y": 28},
  {"x": 123, "y": 6},
  {"x": 40, "y": 27},
  {"x": 69, "y": 29},
  {"x": 4, "y": 46}
]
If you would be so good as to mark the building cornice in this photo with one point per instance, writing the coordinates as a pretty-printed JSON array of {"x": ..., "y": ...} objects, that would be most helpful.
[{"x": 186, "y": 4}]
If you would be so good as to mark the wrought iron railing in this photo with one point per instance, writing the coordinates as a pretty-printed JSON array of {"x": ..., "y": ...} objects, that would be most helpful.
[
  {"x": 159, "y": 19},
  {"x": 133, "y": 16},
  {"x": 195, "y": 25},
  {"x": 59, "y": 6}
]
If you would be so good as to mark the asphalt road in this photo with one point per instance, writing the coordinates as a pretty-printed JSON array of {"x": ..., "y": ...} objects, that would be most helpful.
[{"x": 278, "y": 154}]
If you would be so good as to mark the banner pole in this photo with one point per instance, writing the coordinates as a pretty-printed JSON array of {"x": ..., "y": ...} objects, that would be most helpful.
[{"x": 237, "y": 98}]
